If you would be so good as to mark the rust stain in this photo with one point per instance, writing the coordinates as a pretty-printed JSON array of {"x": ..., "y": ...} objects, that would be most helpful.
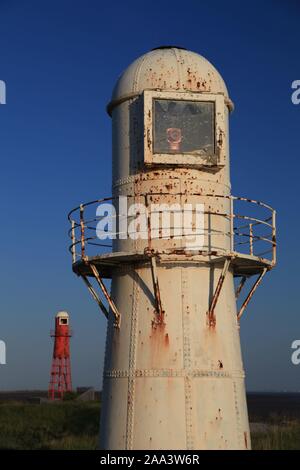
[
  {"x": 211, "y": 320},
  {"x": 159, "y": 343},
  {"x": 246, "y": 440}
]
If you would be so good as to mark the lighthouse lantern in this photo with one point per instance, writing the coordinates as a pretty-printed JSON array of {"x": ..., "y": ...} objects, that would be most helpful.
[{"x": 184, "y": 129}]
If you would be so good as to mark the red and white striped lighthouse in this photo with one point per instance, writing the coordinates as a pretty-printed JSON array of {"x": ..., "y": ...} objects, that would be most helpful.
[{"x": 60, "y": 378}]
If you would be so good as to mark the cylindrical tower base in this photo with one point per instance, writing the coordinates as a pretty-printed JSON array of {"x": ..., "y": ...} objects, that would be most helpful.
[{"x": 178, "y": 384}]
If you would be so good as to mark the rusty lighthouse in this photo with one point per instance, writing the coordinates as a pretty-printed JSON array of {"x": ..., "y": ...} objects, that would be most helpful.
[
  {"x": 60, "y": 376},
  {"x": 184, "y": 259}
]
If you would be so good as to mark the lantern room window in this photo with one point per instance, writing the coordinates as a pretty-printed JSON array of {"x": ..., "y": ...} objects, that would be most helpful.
[{"x": 184, "y": 127}]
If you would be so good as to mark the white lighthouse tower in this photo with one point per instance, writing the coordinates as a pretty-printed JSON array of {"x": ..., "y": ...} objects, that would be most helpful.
[{"x": 173, "y": 374}]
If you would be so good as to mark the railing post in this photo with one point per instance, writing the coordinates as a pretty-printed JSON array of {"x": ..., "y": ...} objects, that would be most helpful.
[
  {"x": 73, "y": 241},
  {"x": 251, "y": 238},
  {"x": 82, "y": 231},
  {"x": 274, "y": 236}
]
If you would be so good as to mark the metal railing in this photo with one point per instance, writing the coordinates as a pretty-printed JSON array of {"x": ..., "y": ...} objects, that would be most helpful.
[{"x": 251, "y": 232}]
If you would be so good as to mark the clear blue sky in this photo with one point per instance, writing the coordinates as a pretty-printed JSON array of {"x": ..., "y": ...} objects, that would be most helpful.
[{"x": 60, "y": 60}]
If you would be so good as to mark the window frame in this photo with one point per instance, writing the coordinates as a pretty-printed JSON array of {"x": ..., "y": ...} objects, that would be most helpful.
[{"x": 217, "y": 159}]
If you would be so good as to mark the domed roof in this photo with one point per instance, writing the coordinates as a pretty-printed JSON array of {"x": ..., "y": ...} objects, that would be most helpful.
[
  {"x": 168, "y": 68},
  {"x": 62, "y": 315}
]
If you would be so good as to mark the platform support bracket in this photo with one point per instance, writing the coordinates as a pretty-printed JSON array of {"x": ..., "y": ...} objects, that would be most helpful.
[
  {"x": 240, "y": 286},
  {"x": 211, "y": 311},
  {"x": 95, "y": 295},
  {"x": 252, "y": 290},
  {"x": 106, "y": 294},
  {"x": 158, "y": 305}
]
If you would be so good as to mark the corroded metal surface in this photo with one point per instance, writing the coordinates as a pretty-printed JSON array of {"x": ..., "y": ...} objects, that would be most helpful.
[{"x": 171, "y": 70}]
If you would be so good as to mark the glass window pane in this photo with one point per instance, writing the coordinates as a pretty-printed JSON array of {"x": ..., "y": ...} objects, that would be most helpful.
[{"x": 184, "y": 127}]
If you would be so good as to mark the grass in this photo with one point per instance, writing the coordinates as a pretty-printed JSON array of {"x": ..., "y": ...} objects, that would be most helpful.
[
  {"x": 280, "y": 436},
  {"x": 74, "y": 425},
  {"x": 69, "y": 425}
]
